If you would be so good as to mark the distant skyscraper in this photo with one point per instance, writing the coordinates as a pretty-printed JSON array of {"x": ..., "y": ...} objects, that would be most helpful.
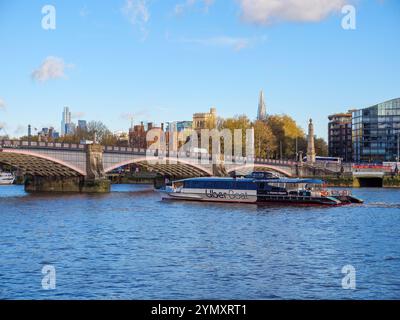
[
  {"x": 262, "y": 110},
  {"x": 82, "y": 125},
  {"x": 69, "y": 128},
  {"x": 66, "y": 120}
]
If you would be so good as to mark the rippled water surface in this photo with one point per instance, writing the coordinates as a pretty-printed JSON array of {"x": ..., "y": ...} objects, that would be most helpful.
[{"x": 130, "y": 245}]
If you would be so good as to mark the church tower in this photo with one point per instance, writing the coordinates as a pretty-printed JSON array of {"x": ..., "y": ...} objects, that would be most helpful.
[{"x": 262, "y": 110}]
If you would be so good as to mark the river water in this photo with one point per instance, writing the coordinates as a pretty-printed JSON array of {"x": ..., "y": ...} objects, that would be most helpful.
[{"x": 130, "y": 245}]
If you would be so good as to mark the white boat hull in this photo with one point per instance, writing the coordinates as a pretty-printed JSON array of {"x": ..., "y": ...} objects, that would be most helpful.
[
  {"x": 211, "y": 195},
  {"x": 6, "y": 179}
]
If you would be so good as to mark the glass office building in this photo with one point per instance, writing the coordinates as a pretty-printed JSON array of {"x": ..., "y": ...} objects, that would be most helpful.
[{"x": 376, "y": 132}]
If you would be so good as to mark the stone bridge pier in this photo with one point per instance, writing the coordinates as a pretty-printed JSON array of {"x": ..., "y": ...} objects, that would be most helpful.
[{"x": 94, "y": 181}]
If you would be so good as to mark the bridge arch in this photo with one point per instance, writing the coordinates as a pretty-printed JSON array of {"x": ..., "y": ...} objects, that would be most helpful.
[
  {"x": 29, "y": 161},
  {"x": 196, "y": 166},
  {"x": 287, "y": 173}
]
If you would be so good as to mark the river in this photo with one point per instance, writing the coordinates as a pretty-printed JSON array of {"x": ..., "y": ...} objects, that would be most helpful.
[{"x": 130, "y": 245}]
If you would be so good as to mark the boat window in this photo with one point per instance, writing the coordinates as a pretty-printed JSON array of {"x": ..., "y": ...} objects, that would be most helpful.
[
  {"x": 178, "y": 184},
  {"x": 222, "y": 184}
]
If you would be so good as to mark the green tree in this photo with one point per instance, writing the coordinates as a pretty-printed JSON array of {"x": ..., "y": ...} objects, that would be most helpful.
[
  {"x": 321, "y": 147},
  {"x": 264, "y": 140},
  {"x": 287, "y": 134}
]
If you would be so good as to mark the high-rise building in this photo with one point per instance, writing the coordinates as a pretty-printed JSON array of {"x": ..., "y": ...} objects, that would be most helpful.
[
  {"x": 262, "y": 110},
  {"x": 66, "y": 119},
  {"x": 69, "y": 128},
  {"x": 48, "y": 134},
  {"x": 82, "y": 125},
  {"x": 340, "y": 136},
  {"x": 376, "y": 132}
]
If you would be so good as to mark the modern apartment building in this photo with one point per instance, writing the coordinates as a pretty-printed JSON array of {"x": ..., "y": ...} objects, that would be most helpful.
[{"x": 340, "y": 136}]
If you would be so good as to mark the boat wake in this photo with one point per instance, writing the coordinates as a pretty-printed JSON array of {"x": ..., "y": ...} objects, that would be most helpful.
[{"x": 383, "y": 205}]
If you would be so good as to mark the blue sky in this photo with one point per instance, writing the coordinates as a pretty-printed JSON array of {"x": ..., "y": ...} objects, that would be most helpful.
[{"x": 162, "y": 60}]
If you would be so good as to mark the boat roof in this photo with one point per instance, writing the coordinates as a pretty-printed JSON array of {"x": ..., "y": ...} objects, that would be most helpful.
[
  {"x": 294, "y": 180},
  {"x": 273, "y": 180}
]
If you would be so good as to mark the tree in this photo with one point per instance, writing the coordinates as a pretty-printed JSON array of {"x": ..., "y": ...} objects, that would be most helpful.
[
  {"x": 321, "y": 147},
  {"x": 264, "y": 140},
  {"x": 103, "y": 135},
  {"x": 98, "y": 128},
  {"x": 239, "y": 122},
  {"x": 287, "y": 134}
]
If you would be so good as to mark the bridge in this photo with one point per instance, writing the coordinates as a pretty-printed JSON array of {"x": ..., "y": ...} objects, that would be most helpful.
[{"x": 49, "y": 166}]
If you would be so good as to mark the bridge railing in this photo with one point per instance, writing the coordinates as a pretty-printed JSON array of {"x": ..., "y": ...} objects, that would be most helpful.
[
  {"x": 335, "y": 167},
  {"x": 131, "y": 150},
  {"x": 40, "y": 145},
  {"x": 176, "y": 155}
]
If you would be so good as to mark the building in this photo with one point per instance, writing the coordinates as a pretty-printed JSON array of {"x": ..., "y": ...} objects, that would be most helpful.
[
  {"x": 82, "y": 125},
  {"x": 262, "y": 110},
  {"x": 184, "y": 125},
  {"x": 340, "y": 136},
  {"x": 138, "y": 135},
  {"x": 48, "y": 134},
  {"x": 376, "y": 132},
  {"x": 122, "y": 138},
  {"x": 69, "y": 128},
  {"x": 177, "y": 134},
  {"x": 53, "y": 134},
  {"x": 206, "y": 120},
  {"x": 66, "y": 120}
]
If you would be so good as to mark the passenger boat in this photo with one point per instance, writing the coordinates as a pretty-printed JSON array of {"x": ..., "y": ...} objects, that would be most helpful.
[
  {"x": 259, "y": 188},
  {"x": 6, "y": 178}
]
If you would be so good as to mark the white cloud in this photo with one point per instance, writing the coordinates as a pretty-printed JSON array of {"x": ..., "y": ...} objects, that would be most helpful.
[
  {"x": 51, "y": 68},
  {"x": 183, "y": 6},
  {"x": 77, "y": 115},
  {"x": 235, "y": 43},
  {"x": 138, "y": 14},
  {"x": 2, "y": 104},
  {"x": 270, "y": 11},
  {"x": 83, "y": 12}
]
